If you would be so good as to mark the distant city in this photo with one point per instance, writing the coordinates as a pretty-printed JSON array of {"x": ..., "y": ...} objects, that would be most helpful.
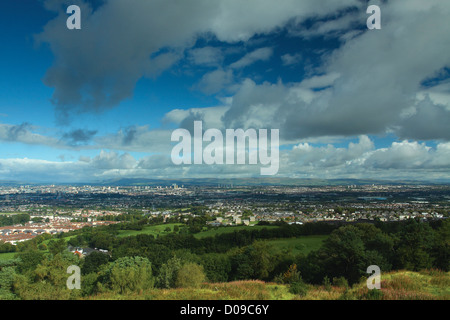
[{"x": 55, "y": 209}]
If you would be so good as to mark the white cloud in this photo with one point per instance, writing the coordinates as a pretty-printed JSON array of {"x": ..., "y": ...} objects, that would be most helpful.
[
  {"x": 112, "y": 160},
  {"x": 215, "y": 81},
  {"x": 261, "y": 54},
  {"x": 291, "y": 59},
  {"x": 401, "y": 160},
  {"x": 185, "y": 118},
  {"x": 206, "y": 56}
]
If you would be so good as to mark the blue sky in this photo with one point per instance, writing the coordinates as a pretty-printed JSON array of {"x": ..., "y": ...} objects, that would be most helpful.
[{"x": 101, "y": 102}]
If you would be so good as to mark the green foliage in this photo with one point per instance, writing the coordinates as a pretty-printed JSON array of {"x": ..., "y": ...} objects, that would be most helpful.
[
  {"x": 7, "y": 275},
  {"x": 340, "y": 282},
  {"x": 89, "y": 284},
  {"x": 56, "y": 246},
  {"x": 292, "y": 275},
  {"x": 414, "y": 246},
  {"x": 441, "y": 247},
  {"x": 190, "y": 275},
  {"x": 299, "y": 288},
  {"x": 102, "y": 240},
  {"x": 252, "y": 262},
  {"x": 12, "y": 219},
  {"x": 168, "y": 273},
  {"x": 374, "y": 294},
  {"x": 327, "y": 283},
  {"x": 216, "y": 266},
  {"x": 27, "y": 245},
  {"x": 7, "y": 247},
  {"x": 28, "y": 260},
  {"x": 47, "y": 281},
  {"x": 92, "y": 262},
  {"x": 182, "y": 260},
  {"x": 128, "y": 274},
  {"x": 347, "y": 252}
]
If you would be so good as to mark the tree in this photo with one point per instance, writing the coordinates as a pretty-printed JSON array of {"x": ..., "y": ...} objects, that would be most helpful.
[
  {"x": 441, "y": 247},
  {"x": 292, "y": 275},
  {"x": 7, "y": 247},
  {"x": 343, "y": 254},
  {"x": 168, "y": 273},
  {"x": 7, "y": 275},
  {"x": 102, "y": 240},
  {"x": 252, "y": 262},
  {"x": 414, "y": 246},
  {"x": 47, "y": 281},
  {"x": 190, "y": 275},
  {"x": 28, "y": 260},
  {"x": 128, "y": 274},
  {"x": 216, "y": 267},
  {"x": 57, "y": 246},
  {"x": 93, "y": 261}
]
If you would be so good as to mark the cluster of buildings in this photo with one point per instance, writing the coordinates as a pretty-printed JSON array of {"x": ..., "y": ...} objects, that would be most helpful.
[
  {"x": 19, "y": 233},
  {"x": 57, "y": 209}
]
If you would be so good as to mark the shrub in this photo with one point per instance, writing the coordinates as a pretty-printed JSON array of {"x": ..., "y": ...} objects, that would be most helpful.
[
  {"x": 292, "y": 275},
  {"x": 340, "y": 282},
  {"x": 374, "y": 294},
  {"x": 298, "y": 287},
  {"x": 128, "y": 274},
  {"x": 190, "y": 275},
  {"x": 327, "y": 283}
]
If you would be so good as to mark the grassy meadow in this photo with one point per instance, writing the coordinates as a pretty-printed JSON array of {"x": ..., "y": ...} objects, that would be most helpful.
[{"x": 397, "y": 285}]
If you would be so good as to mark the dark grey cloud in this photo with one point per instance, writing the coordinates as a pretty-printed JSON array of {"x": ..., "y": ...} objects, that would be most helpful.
[
  {"x": 24, "y": 133},
  {"x": 129, "y": 135},
  {"x": 378, "y": 79},
  {"x": 121, "y": 41},
  {"x": 430, "y": 121},
  {"x": 14, "y": 132},
  {"x": 79, "y": 136}
]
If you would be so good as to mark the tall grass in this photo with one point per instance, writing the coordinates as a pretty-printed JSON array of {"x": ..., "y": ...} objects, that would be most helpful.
[
  {"x": 396, "y": 285},
  {"x": 406, "y": 285}
]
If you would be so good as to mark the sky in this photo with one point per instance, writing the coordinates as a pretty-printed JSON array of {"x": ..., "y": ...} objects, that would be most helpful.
[{"x": 102, "y": 102}]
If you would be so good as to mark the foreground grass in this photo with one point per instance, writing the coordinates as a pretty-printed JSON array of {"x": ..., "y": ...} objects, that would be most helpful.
[
  {"x": 398, "y": 285},
  {"x": 408, "y": 285},
  {"x": 236, "y": 290}
]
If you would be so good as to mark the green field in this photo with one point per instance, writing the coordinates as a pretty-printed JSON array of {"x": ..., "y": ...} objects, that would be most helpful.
[
  {"x": 304, "y": 244},
  {"x": 7, "y": 255},
  {"x": 221, "y": 230},
  {"x": 152, "y": 230}
]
